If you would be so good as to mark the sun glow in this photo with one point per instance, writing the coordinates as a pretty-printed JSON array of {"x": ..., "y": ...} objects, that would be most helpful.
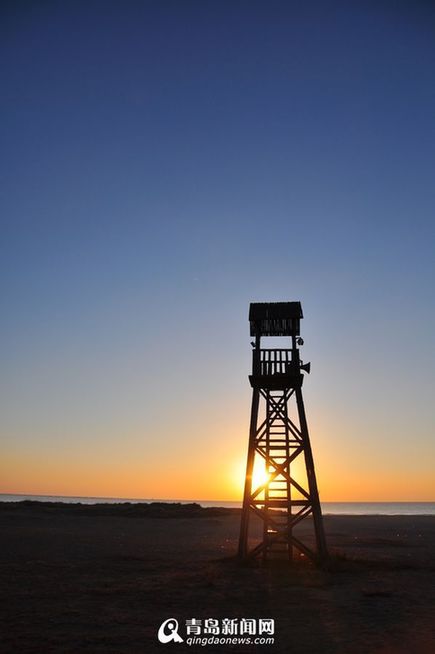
[{"x": 259, "y": 475}]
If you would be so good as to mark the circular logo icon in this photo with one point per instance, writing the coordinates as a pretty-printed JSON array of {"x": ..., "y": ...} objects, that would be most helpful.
[{"x": 169, "y": 631}]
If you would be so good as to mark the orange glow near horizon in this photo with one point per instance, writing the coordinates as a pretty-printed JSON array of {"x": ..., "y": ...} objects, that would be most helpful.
[{"x": 224, "y": 480}]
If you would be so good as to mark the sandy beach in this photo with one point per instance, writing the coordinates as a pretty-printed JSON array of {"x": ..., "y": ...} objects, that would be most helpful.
[{"x": 102, "y": 579}]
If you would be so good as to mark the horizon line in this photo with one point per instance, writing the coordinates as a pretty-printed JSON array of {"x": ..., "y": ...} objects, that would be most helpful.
[{"x": 190, "y": 500}]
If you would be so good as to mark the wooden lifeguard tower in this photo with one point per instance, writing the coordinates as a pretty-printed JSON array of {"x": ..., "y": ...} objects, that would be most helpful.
[{"x": 279, "y": 440}]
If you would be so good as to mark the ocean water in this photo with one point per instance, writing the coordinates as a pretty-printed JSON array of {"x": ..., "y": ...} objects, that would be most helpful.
[{"x": 335, "y": 508}]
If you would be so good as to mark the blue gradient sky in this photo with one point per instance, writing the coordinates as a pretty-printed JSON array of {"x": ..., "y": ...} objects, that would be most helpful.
[{"x": 164, "y": 164}]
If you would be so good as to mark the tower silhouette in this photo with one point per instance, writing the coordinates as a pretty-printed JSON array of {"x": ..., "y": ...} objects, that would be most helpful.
[{"x": 287, "y": 493}]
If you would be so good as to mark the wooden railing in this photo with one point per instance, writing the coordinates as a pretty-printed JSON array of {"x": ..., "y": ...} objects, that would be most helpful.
[{"x": 274, "y": 362}]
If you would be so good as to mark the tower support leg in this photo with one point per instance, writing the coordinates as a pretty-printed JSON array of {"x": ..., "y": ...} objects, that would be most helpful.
[
  {"x": 312, "y": 483},
  {"x": 244, "y": 526}
]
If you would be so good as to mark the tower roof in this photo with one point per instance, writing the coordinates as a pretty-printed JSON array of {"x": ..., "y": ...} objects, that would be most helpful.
[{"x": 275, "y": 318}]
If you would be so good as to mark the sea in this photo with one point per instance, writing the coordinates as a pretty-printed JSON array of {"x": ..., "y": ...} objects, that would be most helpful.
[{"x": 332, "y": 508}]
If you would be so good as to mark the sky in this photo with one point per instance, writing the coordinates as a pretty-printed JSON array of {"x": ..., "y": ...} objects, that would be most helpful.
[{"x": 165, "y": 163}]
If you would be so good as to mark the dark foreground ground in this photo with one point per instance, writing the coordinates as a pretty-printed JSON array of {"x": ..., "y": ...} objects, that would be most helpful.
[{"x": 102, "y": 579}]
